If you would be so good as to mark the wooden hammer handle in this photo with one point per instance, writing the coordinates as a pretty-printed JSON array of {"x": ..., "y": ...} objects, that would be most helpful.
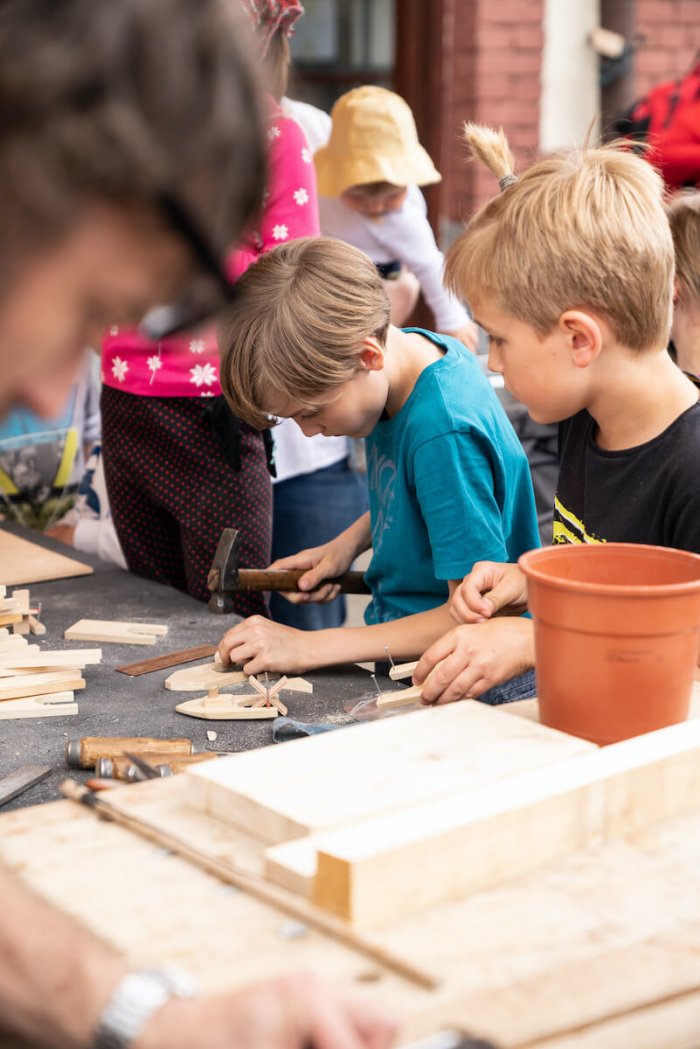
[{"x": 287, "y": 580}]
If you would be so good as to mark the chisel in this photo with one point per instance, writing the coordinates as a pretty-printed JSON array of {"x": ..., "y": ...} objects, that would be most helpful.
[{"x": 83, "y": 753}]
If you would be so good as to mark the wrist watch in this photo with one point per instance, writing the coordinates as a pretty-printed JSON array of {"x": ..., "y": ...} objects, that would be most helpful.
[{"x": 135, "y": 999}]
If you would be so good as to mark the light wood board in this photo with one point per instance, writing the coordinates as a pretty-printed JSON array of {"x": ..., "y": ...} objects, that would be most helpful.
[
  {"x": 25, "y": 562},
  {"x": 31, "y": 684},
  {"x": 595, "y": 951},
  {"x": 51, "y": 705},
  {"x": 384, "y": 869},
  {"x": 115, "y": 631},
  {"x": 343, "y": 777}
]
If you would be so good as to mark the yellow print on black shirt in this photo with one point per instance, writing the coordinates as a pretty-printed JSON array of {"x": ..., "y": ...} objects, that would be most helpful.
[{"x": 567, "y": 528}]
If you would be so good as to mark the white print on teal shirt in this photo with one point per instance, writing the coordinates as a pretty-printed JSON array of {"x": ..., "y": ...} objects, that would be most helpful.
[{"x": 381, "y": 475}]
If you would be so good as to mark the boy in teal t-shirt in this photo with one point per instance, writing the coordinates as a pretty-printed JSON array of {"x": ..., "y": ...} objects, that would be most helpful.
[{"x": 309, "y": 338}]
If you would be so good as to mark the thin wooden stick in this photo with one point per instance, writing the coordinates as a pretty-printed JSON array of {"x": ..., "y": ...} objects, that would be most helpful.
[{"x": 273, "y": 895}]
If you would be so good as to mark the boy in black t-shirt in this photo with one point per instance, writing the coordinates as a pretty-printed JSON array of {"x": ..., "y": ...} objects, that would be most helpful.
[{"x": 570, "y": 272}]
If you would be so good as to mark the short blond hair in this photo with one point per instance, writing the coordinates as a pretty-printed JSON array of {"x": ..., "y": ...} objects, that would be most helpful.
[
  {"x": 297, "y": 329},
  {"x": 684, "y": 218},
  {"x": 581, "y": 230}
]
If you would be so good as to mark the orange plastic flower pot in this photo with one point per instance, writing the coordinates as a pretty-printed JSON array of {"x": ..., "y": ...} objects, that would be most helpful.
[{"x": 617, "y": 632}]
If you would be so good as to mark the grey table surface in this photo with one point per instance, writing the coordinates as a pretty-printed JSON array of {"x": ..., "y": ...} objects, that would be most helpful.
[{"x": 114, "y": 704}]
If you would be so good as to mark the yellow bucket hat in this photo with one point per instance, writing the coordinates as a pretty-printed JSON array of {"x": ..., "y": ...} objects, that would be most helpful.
[{"x": 373, "y": 139}]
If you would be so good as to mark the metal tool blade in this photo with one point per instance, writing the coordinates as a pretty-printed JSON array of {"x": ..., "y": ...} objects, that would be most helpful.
[
  {"x": 21, "y": 779},
  {"x": 147, "y": 771}
]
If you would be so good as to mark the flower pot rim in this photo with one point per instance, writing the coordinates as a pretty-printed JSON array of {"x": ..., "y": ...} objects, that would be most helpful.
[{"x": 528, "y": 563}]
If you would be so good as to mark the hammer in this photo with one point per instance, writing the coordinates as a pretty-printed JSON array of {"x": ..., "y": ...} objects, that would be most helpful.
[{"x": 225, "y": 577}]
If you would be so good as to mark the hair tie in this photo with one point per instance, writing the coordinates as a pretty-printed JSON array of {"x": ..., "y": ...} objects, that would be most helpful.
[{"x": 506, "y": 181}]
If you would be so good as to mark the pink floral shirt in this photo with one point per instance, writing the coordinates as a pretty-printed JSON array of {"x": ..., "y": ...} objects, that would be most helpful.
[{"x": 188, "y": 365}]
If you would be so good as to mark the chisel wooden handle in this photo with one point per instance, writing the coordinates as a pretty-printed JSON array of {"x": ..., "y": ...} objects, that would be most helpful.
[
  {"x": 287, "y": 580},
  {"x": 83, "y": 753},
  {"x": 117, "y": 767}
]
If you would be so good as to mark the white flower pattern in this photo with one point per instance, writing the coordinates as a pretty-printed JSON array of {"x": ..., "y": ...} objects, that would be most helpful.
[
  {"x": 197, "y": 346},
  {"x": 280, "y": 232},
  {"x": 119, "y": 369},
  {"x": 300, "y": 196},
  {"x": 203, "y": 374},
  {"x": 273, "y": 132},
  {"x": 306, "y": 155},
  {"x": 154, "y": 363}
]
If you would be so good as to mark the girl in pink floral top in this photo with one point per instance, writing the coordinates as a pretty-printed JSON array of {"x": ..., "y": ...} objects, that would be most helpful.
[{"x": 179, "y": 466}]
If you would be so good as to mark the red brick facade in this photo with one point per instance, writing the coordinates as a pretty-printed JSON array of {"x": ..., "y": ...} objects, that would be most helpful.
[{"x": 495, "y": 69}]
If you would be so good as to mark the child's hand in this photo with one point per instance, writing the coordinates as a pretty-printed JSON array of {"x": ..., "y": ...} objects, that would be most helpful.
[
  {"x": 489, "y": 588},
  {"x": 322, "y": 562},
  {"x": 259, "y": 644},
  {"x": 471, "y": 659},
  {"x": 468, "y": 334}
]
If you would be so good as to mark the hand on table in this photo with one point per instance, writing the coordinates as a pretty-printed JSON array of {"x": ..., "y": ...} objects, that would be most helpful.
[
  {"x": 473, "y": 658},
  {"x": 63, "y": 533},
  {"x": 299, "y": 1012},
  {"x": 489, "y": 588},
  {"x": 259, "y": 644}
]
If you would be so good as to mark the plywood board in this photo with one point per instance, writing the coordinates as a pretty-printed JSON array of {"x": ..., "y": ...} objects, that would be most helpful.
[
  {"x": 25, "y": 562},
  {"x": 344, "y": 777},
  {"x": 115, "y": 631}
]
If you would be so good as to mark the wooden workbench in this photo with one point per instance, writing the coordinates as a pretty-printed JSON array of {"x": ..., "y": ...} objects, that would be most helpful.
[{"x": 598, "y": 950}]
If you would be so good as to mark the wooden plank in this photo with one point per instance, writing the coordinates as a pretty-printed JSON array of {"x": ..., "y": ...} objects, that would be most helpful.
[
  {"x": 403, "y": 697},
  {"x": 26, "y": 562},
  {"x": 170, "y": 659},
  {"x": 40, "y": 684},
  {"x": 379, "y": 871},
  {"x": 115, "y": 631},
  {"x": 51, "y": 705},
  {"x": 344, "y": 777},
  {"x": 586, "y": 944},
  {"x": 64, "y": 657}
]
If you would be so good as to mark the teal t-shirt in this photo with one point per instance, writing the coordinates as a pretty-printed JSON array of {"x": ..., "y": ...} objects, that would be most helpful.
[{"x": 449, "y": 485}]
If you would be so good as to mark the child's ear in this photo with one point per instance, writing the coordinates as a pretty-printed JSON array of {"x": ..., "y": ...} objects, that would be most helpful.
[
  {"x": 372, "y": 355},
  {"x": 584, "y": 336}
]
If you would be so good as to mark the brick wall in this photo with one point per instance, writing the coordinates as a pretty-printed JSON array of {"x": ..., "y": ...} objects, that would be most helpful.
[
  {"x": 669, "y": 39},
  {"x": 496, "y": 80},
  {"x": 496, "y": 67}
]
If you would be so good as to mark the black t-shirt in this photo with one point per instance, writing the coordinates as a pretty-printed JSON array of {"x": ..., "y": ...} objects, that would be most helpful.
[{"x": 647, "y": 494}]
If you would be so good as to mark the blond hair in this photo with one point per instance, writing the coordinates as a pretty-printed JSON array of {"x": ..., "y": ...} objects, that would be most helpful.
[
  {"x": 684, "y": 218},
  {"x": 583, "y": 230},
  {"x": 296, "y": 330}
]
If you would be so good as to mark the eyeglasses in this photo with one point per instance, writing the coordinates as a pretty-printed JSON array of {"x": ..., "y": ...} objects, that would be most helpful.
[{"x": 208, "y": 292}]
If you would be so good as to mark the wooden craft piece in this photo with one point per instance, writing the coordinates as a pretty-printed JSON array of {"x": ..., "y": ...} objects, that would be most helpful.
[
  {"x": 115, "y": 631},
  {"x": 56, "y": 704},
  {"x": 209, "y": 675},
  {"x": 25, "y": 562},
  {"x": 22, "y": 685},
  {"x": 35, "y": 627},
  {"x": 215, "y": 707},
  {"x": 169, "y": 659},
  {"x": 402, "y": 670},
  {"x": 404, "y": 697},
  {"x": 391, "y": 764},
  {"x": 10, "y": 618},
  {"x": 22, "y": 599},
  {"x": 216, "y": 675},
  {"x": 64, "y": 657},
  {"x": 389, "y": 868}
]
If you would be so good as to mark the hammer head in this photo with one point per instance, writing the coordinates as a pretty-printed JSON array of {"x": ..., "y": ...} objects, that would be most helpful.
[{"x": 223, "y": 574}]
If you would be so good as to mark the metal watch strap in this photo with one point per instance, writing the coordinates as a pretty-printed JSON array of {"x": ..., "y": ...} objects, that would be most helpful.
[{"x": 136, "y": 998}]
